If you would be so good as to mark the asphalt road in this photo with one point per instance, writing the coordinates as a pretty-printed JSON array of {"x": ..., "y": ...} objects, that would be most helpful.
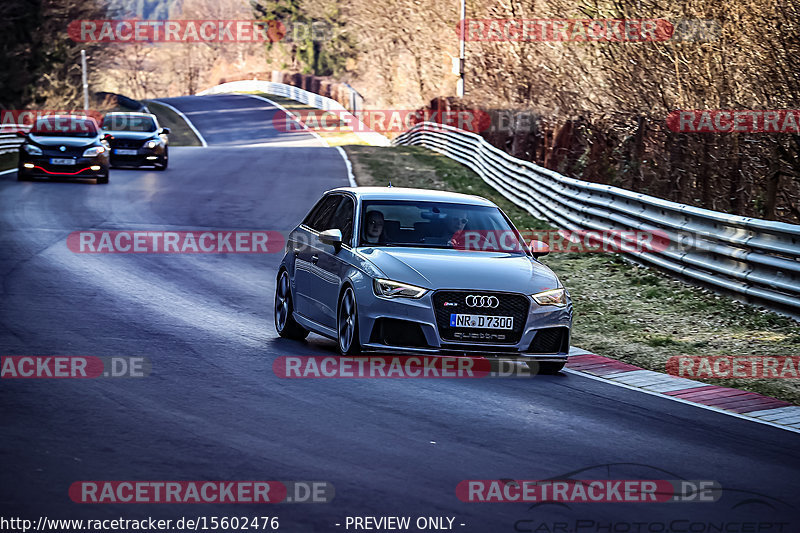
[{"x": 212, "y": 409}]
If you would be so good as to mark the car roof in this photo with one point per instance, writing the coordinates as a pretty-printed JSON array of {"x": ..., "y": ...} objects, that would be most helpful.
[
  {"x": 62, "y": 115},
  {"x": 404, "y": 193},
  {"x": 72, "y": 118}
]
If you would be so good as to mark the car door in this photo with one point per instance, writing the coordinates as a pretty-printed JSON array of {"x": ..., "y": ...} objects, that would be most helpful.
[
  {"x": 306, "y": 251},
  {"x": 332, "y": 263}
]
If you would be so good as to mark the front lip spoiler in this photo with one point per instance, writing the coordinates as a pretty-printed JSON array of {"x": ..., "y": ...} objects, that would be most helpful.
[
  {"x": 479, "y": 351},
  {"x": 53, "y": 173}
]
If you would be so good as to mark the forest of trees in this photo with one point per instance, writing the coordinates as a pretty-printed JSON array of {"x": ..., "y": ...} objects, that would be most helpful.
[{"x": 599, "y": 108}]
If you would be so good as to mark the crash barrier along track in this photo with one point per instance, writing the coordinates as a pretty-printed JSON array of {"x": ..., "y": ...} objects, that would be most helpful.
[
  {"x": 9, "y": 140},
  {"x": 758, "y": 260},
  {"x": 302, "y": 96}
]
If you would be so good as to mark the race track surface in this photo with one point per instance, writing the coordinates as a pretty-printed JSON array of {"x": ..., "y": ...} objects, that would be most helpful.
[{"x": 214, "y": 410}]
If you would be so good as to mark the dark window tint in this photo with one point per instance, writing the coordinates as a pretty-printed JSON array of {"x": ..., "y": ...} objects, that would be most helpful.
[
  {"x": 310, "y": 215},
  {"x": 65, "y": 125},
  {"x": 343, "y": 219},
  {"x": 320, "y": 218},
  {"x": 129, "y": 123}
]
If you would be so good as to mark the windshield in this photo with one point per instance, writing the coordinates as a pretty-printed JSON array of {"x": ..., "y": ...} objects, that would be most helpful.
[
  {"x": 437, "y": 225},
  {"x": 65, "y": 126},
  {"x": 129, "y": 123}
]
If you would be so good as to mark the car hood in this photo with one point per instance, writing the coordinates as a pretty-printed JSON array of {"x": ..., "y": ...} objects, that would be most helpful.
[
  {"x": 133, "y": 135},
  {"x": 72, "y": 142},
  {"x": 458, "y": 269}
]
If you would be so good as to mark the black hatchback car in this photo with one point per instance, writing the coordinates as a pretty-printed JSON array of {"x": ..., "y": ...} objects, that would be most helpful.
[
  {"x": 137, "y": 140},
  {"x": 64, "y": 146}
]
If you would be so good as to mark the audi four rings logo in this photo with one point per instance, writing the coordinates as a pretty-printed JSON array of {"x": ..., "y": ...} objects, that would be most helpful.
[{"x": 482, "y": 301}]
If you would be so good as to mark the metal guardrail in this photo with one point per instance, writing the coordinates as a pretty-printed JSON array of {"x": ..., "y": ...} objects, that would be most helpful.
[
  {"x": 9, "y": 140},
  {"x": 758, "y": 260},
  {"x": 295, "y": 93}
]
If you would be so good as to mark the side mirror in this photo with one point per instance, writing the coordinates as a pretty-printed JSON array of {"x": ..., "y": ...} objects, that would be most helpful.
[
  {"x": 332, "y": 237},
  {"x": 165, "y": 131},
  {"x": 107, "y": 136},
  {"x": 539, "y": 249}
]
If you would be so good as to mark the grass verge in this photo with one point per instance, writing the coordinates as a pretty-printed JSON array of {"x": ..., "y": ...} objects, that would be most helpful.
[
  {"x": 622, "y": 310},
  {"x": 180, "y": 133},
  {"x": 9, "y": 160}
]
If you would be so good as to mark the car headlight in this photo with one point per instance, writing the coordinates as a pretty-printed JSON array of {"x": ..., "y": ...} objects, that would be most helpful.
[
  {"x": 151, "y": 144},
  {"x": 556, "y": 297},
  {"x": 31, "y": 149},
  {"x": 94, "y": 151},
  {"x": 387, "y": 288}
]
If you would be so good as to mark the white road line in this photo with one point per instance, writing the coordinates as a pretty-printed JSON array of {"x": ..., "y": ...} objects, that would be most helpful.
[
  {"x": 350, "y": 178},
  {"x": 188, "y": 122},
  {"x": 676, "y": 399}
]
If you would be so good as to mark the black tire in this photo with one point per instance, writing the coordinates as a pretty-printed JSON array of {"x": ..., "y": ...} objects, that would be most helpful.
[
  {"x": 103, "y": 179},
  {"x": 22, "y": 175},
  {"x": 545, "y": 368},
  {"x": 285, "y": 324},
  {"x": 347, "y": 324},
  {"x": 164, "y": 163}
]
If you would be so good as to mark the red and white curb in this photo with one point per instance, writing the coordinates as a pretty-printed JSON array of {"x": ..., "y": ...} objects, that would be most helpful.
[{"x": 734, "y": 402}]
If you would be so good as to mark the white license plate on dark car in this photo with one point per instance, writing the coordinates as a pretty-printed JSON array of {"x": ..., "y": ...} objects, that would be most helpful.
[
  {"x": 61, "y": 161},
  {"x": 481, "y": 321},
  {"x": 121, "y": 151}
]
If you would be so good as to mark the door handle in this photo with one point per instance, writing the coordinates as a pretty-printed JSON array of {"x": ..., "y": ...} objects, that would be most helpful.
[{"x": 314, "y": 259}]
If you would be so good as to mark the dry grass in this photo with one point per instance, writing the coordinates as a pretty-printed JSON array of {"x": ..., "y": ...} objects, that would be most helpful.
[
  {"x": 9, "y": 160},
  {"x": 180, "y": 133},
  {"x": 622, "y": 310}
]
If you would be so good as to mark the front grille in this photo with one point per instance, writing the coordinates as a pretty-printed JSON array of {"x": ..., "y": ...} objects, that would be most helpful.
[
  {"x": 127, "y": 143},
  {"x": 510, "y": 304},
  {"x": 69, "y": 152}
]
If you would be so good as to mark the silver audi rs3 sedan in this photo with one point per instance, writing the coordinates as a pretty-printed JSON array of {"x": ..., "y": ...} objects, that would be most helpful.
[{"x": 421, "y": 271}]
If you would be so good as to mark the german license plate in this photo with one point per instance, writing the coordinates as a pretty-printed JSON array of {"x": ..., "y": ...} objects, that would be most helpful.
[
  {"x": 481, "y": 321},
  {"x": 121, "y": 151},
  {"x": 58, "y": 161}
]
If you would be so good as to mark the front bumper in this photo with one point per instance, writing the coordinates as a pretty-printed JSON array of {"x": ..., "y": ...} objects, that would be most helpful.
[
  {"x": 40, "y": 166},
  {"x": 143, "y": 156},
  {"x": 409, "y": 325}
]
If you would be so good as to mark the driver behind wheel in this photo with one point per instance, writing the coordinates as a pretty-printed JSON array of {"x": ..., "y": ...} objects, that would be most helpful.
[{"x": 373, "y": 228}]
